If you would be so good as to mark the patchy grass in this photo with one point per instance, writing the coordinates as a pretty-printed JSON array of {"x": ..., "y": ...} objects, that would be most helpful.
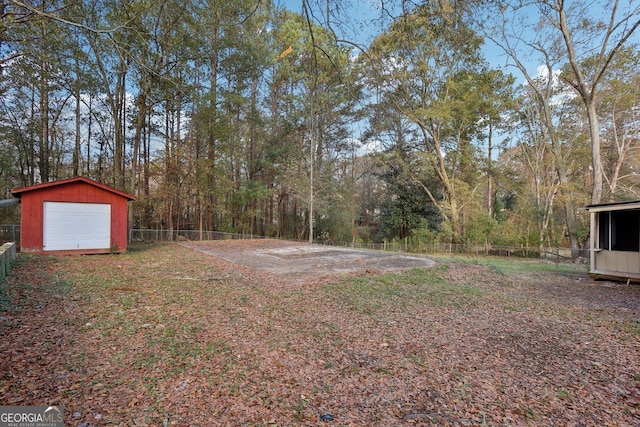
[
  {"x": 165, "y": 336},
  {"x": 516, "y": 265},
  {"x": 393, "y": 292}
]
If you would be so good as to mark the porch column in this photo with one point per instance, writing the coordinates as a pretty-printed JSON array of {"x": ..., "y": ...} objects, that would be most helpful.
[{"x": 593, "y": 238}]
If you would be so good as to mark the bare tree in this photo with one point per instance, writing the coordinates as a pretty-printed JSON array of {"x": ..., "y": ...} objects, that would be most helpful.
[{"x": 583, "y": 38}]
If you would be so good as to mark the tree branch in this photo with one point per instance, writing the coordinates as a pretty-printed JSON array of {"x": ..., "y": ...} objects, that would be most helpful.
[{"x": 55, "y": 17}]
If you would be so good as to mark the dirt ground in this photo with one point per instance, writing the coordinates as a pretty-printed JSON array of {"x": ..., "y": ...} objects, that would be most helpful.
[
  {"x": 302, "y": 262},
  {"x": 169, "y": 336}
]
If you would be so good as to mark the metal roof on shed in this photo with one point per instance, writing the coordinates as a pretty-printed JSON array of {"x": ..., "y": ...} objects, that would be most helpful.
[
  {"x": 616, "y": 206},
  {"x": 17, "y": 192}
]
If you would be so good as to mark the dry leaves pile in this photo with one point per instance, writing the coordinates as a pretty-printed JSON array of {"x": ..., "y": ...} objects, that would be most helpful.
[{"x": 166, "y": 336}]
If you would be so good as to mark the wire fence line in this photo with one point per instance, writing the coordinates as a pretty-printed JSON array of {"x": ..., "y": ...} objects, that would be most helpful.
[
  {"x": 555, "y": 254},
  {"x": 160, "y": 235},
  {"x": 11, "y": 233}
]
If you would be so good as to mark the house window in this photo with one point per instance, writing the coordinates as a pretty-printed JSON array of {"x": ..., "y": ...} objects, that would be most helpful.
[{"x": 623, "y": 228}]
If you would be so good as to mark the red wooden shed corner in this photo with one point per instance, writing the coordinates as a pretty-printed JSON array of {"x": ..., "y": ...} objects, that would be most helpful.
[{"x": 75, "y": 216}]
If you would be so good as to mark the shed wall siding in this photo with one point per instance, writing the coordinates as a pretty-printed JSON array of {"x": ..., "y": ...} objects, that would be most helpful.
[
  {"x": 618, "y": 262},
  {"x": 617, "y": 256},
  {"x": 32, "y": 212}
]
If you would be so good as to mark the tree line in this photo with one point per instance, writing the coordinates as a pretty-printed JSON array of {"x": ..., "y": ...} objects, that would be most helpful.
[{"x": 244, "y": 116}]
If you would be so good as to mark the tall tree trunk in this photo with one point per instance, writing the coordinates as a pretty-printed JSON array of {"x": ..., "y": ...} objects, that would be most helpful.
[
  {"x": 146, "y": 190},
  {"x": 587, "y": 90},
  {"x": 253, "y": 166},
  {"x": 76, "y": 151},
  {"x": 490, "y": 171},
  {"x": 137, "y": 138},
  {"x": 432, "y": 143},
  {"x": 561, "y": 169},
  {"x": 119, "y": 109},
  {"x": 89, "y": 130},
  {"x": 596, "y": 160},
  {"x": 32, "y": 138},
  {"x": 211, "y": 128},
  {"x": 43, "y": 139}
]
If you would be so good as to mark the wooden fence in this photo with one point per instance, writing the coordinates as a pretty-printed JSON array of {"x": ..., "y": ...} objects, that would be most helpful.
[{"x": 7, "y": 256}]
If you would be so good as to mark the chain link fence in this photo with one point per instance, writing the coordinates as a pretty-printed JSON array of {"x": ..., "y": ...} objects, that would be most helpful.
[
  {"x": 9, "y": 233},
  {"x": 554, "y": 254},
  {"x": 160, "y": 235}
]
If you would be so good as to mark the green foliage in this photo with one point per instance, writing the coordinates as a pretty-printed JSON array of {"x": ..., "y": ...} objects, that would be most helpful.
[
  {"x": 441, "y": 95},
  {"x": 481, "y": 228},
  {"x": 244, "y": 116},
  {"x": 406, "y": 207},
  {"x": 423, "y": 234}
]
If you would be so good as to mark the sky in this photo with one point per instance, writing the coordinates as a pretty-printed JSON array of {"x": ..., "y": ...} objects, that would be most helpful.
[
  {"x": 362, "y": 23},
  {"x": 358, "y": 17}
]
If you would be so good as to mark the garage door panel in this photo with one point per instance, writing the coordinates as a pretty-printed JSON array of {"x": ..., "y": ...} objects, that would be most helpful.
[{"x": 73, "y": 226}]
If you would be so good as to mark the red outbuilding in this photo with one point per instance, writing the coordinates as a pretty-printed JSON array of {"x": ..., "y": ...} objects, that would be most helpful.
[{"x": 75, "y": 215}]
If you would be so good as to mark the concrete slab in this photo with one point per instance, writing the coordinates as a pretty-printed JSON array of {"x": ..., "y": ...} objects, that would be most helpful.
[{"x": 297, "y": 258}]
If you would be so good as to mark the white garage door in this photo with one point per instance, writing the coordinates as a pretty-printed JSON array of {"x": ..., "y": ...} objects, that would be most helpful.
[{"x": 73, "y": 226}]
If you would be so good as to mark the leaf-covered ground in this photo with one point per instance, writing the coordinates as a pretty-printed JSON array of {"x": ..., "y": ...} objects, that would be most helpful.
[{"x": 166, "y": 336}]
